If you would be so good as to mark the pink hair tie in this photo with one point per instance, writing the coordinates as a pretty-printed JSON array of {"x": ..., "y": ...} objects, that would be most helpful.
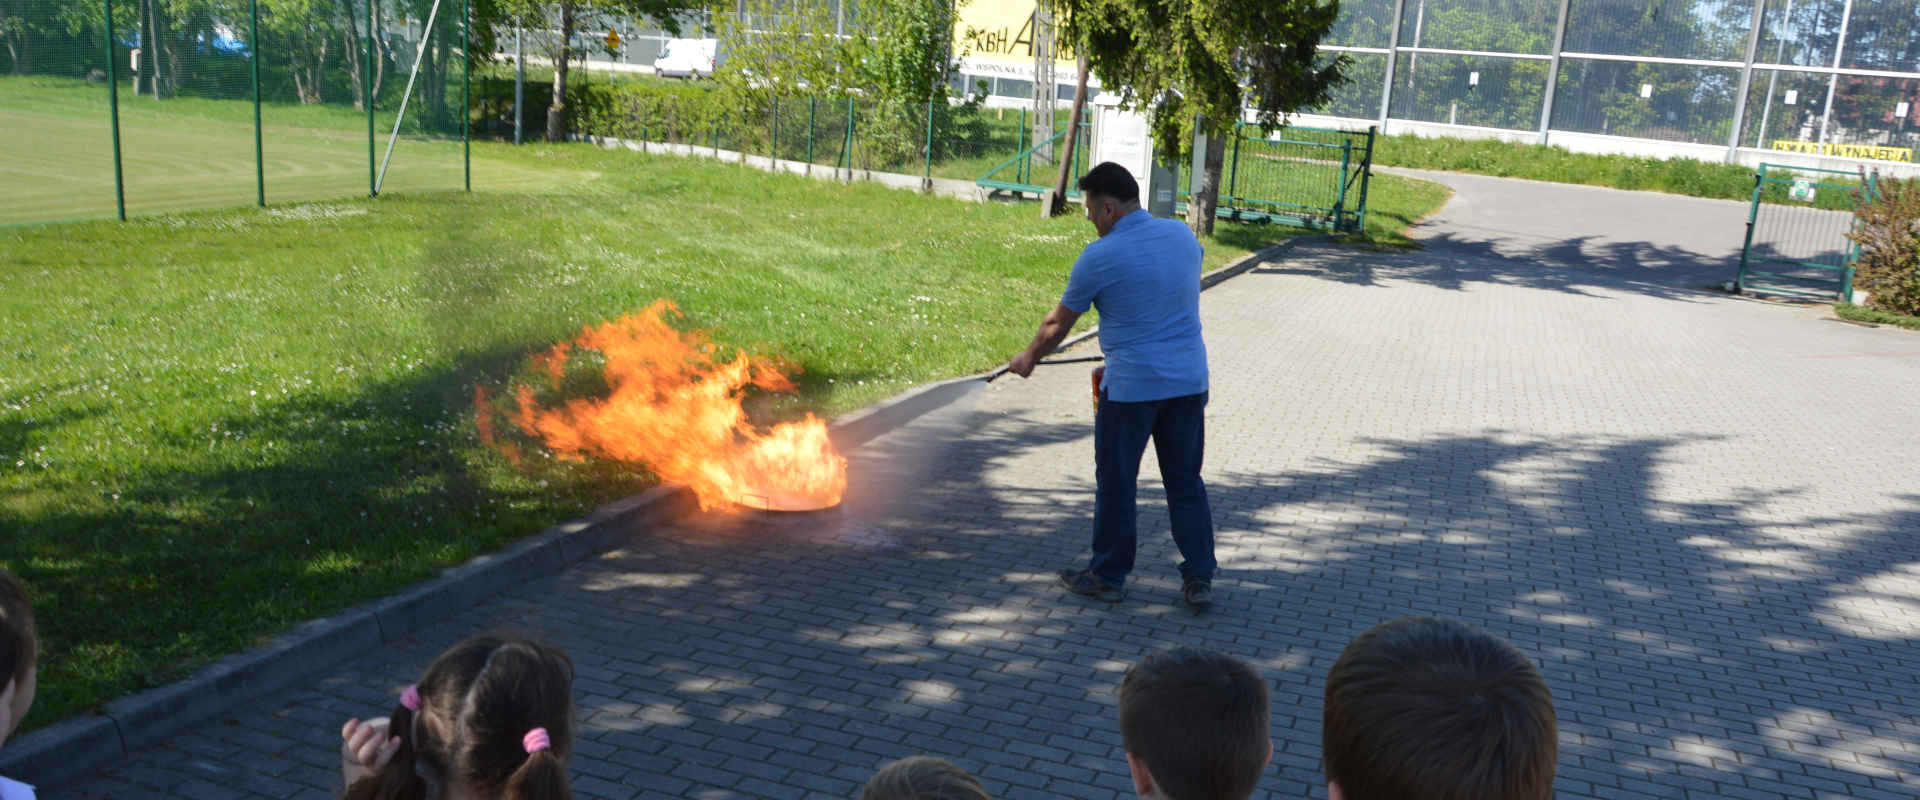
[
  {"x": 535, "y": 741},
  {"x": 410, "y": 698}
]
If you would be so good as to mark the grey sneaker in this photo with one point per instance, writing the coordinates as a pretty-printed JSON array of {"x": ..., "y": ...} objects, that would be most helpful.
[
  {"x": 1198, "y": 592},
  {"x": 1085, "y": 583}
]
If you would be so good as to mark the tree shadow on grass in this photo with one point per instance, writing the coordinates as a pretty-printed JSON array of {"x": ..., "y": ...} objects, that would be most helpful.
[{"x": 319, "y": 503}]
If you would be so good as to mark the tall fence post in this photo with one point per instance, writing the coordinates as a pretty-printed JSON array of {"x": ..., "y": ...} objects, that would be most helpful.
[
  {"x": 927, "y": 173},
  {"x": 1020, "y": 147},
  {"x": 1366, "y": 179},
  {"x": 1340, "y": 197},
  {"x": 366, "y": 75},
  {"x": 1753, "y": 214},
  {"x": 846, "y": 142},
  {"x": 466, "y": 85},
  {"x": 113, "y": 113},
  {"x": 259, "y": 155},
  {"x": 773, "y": 146},
  {"x": 811, "y": 102}
]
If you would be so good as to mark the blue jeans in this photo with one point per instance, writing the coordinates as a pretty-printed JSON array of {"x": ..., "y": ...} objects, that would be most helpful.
[{"x": 1178, "y": 428}]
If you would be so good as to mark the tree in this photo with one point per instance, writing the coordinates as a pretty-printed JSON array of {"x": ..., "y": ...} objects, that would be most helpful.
[
  {"x": 569, "y": 17},
  {"x": 302, "y": 32},
  {"x": 1201, "y": 62},
  {"x": 895, "y": 54}
]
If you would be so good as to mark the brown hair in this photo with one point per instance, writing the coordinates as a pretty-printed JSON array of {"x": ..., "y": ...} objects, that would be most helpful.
[
  {"x": 1198, "y": 720},
  {"x": 923, "y": 778},
  {"x": 1436, "y": 708},
  {"x": 19, "y": 645},
  {"x": 485, "y": 693}
]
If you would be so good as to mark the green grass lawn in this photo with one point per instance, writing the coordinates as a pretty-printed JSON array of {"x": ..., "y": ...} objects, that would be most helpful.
[
  {"x": 187, "y": 153},
  {"x": 215, "y": 425}
]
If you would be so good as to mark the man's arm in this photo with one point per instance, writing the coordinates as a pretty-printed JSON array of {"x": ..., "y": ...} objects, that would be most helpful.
[{"x": 1053, "y": 330}]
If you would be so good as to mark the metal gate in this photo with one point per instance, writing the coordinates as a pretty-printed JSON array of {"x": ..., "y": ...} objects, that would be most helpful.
[
  {"x": 1797, "y": 232},
  {"x": 1308, "y": 177}
]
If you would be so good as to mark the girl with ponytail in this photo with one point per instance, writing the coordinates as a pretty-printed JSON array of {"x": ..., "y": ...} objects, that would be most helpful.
[{"x": 492, "y": 719}]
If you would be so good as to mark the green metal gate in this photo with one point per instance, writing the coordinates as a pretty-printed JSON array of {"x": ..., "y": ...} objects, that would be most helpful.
[
  {"x": 1797, "y": 228},
  {"x": 1017, "y": 174},
  {"x": 1307, "y": 177}
]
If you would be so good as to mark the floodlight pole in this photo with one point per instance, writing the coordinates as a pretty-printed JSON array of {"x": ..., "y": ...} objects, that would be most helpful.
[
  {"x": 1553, "y": 72},
  {"x": 259, "y": 155},
  {"x": 1393, "y": 62},
  {"x": 113, "y": 105},
  {"x": 1746, "y": 80},
  {"x": 1833, "y": 78}
]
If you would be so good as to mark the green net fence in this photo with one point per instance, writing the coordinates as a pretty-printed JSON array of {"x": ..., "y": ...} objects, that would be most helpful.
[{"x": 171, "y": 85}]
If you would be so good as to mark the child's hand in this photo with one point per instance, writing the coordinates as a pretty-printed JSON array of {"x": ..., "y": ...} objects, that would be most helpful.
[{"x": 367, "y": 743}]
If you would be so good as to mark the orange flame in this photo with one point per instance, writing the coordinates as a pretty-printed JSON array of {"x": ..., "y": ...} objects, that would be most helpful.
[{"x": 675, "y": 409}]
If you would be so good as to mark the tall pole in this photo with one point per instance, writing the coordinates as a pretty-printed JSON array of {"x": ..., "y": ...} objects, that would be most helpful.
[
  {"x": 1553, "y": 72},
  {"x": 1393, "y": 62},
  {"x": 113, "y": 114},
  {"x": 466, "y": 86},
  {"x": 259, "y": 155},
  {"x": 1839, "y": 47},
  {"x": 519, "y": 79},
  {"x": 1773, "y": 81},
  {"x": 373, "y": 180},
  {"x": 1746, "y": 81}
]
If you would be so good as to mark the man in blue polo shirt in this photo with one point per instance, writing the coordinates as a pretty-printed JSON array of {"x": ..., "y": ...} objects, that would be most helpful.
[{"x": 1144, "y": 276}]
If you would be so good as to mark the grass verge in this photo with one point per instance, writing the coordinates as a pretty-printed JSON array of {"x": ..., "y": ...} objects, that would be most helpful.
[
  {"x": 1683, "y": 176},
  {"x": 216, "y": 425},
  {"x": 1864, "y": 314}
]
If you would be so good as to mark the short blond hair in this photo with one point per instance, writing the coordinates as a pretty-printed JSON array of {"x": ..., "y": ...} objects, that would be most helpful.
[{"x": 923, "y": 778}]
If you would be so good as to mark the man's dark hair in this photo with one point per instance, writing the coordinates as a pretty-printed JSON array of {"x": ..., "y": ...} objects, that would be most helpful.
[
  {"x": 1436, "y": 708},
  {"x": 1198, "y": 720},
  {"x": 1110, "y": 180}
]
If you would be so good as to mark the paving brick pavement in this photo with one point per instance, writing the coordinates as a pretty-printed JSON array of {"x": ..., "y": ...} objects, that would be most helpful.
[{"x": 1697, "y": 512}]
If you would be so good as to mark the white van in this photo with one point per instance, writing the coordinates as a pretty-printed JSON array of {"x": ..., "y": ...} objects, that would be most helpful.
[{"x": 686, "y": 58}]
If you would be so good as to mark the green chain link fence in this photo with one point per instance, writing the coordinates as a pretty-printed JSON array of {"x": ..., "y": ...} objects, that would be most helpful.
[{"x": 121, "y": 107}]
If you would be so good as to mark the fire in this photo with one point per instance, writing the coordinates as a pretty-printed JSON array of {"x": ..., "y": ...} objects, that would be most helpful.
[{"x": 674, "y": 408}]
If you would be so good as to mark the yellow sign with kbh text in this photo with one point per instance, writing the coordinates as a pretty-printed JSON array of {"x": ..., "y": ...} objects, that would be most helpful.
[
  {"x": 997, "y": 36},
  {"x": 613, "y": 39}
]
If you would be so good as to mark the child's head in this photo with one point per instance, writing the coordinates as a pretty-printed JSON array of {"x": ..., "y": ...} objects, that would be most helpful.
[
  {"x": 495, "y": 716},
  {"x": 1435, "y": 708},
  {"x": 19, "y": 653},
  {"x": 923, "y": 778},
  {"x": 1194, "y": 723}
]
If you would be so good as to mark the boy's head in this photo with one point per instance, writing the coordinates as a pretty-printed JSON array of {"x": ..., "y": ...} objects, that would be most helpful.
[
  {"x": 1436, "y": 708},
  {"x": 1195, "y": 725},
  {"x": 923, "y": 778},
  {"x": 19, "y": 651}
]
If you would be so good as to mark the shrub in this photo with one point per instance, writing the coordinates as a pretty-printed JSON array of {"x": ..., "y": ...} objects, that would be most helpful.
[{"x": 1887, "y": 230}]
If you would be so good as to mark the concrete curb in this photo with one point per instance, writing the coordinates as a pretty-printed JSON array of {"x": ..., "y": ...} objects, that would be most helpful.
[{"x": 85, "y": 744}]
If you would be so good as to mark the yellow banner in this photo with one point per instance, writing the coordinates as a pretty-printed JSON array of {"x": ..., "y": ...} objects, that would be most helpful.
[
  {"x": 1872, "y": 151},
  {"x": 1002, "y": 31}
]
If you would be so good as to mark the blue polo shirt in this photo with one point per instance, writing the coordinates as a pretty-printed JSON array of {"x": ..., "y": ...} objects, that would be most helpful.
[{"x": 1144, "y": 276}]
